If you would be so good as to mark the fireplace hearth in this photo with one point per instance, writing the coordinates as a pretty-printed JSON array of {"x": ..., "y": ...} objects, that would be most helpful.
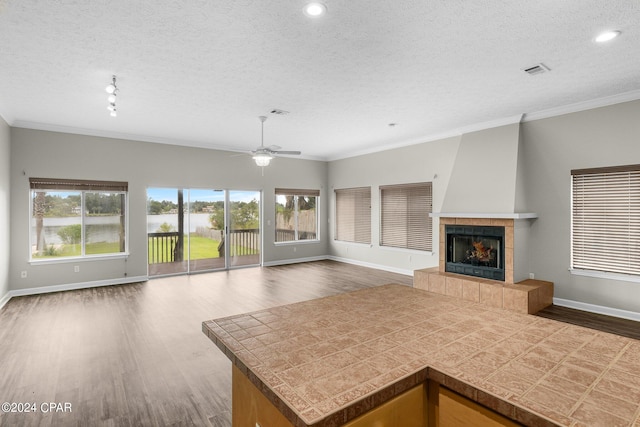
[{"x": 475, "y": 251}]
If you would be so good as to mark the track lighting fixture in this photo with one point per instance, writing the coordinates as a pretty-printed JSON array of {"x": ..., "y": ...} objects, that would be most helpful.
[{"x": 112, "y": 90}]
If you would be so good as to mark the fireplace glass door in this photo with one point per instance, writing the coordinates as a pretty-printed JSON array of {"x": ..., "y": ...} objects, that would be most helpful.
[{"x": 475, "y": 251}]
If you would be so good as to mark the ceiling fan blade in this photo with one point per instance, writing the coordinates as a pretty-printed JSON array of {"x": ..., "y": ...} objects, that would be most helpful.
[
  {"x": 296, "y": 153},
  {"x": 274, "y": 147}
]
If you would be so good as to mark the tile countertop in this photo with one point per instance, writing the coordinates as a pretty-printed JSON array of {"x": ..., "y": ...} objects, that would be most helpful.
[{"x": 325, "y": 361}]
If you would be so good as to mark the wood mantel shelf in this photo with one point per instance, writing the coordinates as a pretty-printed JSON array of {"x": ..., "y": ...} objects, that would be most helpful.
[{"x": 488, "y": 215}]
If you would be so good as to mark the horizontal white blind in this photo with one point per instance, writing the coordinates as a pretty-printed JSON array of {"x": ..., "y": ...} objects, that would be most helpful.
[
  {"x": 606, "y": 219},
  {"x": 353, "y": 215},
  {"x": 405, "y": 221}
]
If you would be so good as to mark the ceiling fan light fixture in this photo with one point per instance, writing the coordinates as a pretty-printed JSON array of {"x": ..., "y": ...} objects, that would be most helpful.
[{"x": 262, "y": 159}]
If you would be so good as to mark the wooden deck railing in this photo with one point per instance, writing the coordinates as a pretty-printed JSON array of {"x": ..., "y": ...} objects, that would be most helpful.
[{"x": 162, "y": 247}]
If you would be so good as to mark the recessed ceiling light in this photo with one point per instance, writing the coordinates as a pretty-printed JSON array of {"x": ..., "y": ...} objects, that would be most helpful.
[
  {"x": 606, "y": 36},
  {"x": 315, "y": 9}
]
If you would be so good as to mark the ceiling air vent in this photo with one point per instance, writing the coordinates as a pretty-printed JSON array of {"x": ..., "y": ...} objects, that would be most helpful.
[
  {"x": 537, "y": 69},
  {"x": 279, "y": 112}
]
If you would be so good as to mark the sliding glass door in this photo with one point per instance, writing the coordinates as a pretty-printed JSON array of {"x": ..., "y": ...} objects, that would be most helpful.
[
  {"x": 244, "y": 228},
  {"x": 206, "y": 230},
  {"x": 192, "y": 230},
  {"x": 165, "y": 231}
]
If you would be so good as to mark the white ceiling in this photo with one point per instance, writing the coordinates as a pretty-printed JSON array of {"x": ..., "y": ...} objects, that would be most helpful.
[{"x": 200, "y": 72}]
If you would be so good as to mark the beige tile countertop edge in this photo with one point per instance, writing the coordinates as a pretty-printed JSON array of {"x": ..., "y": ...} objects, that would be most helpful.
[{"x": 233, "y": 335}]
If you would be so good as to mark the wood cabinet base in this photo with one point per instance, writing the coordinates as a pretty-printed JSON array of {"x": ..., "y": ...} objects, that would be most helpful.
[
  {"x": 450, "y": 409},
  {"x": 250, "y": 407},
  {"x": 426, "y": 405}
]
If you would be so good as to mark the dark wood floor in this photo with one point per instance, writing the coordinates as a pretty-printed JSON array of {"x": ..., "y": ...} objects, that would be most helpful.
[
  {"x": 135, "y": 354},
  {"x": 614, "y": 325}
]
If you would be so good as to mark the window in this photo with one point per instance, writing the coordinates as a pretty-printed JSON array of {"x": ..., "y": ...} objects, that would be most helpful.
[
  {"x": 74, "y": 218},
  {"x": 605, "y": 219},
  {"x": 353, "y": 215},
  {"x": 296, "y": 215},
  {"x": 405, "y": 221}
]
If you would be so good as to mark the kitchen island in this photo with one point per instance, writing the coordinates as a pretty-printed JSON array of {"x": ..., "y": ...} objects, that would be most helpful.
[{"x": 334, "y": 360}]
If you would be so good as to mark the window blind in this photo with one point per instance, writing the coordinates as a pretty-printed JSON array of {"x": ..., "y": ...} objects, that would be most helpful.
[
  {"x": 76, "y": 184},
  {"x": 605, "y": 232},
  {"x": 353, "y": 215},
  {"x": 405, "y": 221},
  {"x": 296, "y": 192}
]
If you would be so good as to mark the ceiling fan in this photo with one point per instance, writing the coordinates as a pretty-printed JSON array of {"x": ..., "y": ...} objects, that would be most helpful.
[{"x": 263, "y": 155}]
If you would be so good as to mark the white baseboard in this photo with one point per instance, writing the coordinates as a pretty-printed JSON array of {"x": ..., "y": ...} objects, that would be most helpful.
[
  {"x": 70, "y": 287},
  {"x": 598, "y": 309},
  {"x": 340, "y": 259},
  {"x": 294, "y": 261},
  {"x": 5, "y": 299},
  {"x": 371, "y": 265}
]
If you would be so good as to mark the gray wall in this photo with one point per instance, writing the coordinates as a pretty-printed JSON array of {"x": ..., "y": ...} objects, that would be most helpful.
[
  {"x": 544, "y": 152},
  {"x": 60, "y": 155},
  {"x": 416, "y": 163},
  {"x": 547, "y": 151},
  {"x": 5, "y": 188},
  {"x": 483, "y": 179},
  {"x": 553, "y": 147}
]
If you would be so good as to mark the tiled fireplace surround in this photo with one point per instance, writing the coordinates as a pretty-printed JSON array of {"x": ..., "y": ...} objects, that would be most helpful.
[{"x": 525, "y": 296}]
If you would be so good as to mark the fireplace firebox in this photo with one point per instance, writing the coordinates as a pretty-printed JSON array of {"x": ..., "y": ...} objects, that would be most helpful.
[{"x": 475, "y": 251}]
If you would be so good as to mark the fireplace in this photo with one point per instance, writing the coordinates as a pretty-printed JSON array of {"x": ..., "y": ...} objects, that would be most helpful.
[{"x": 475, "y": 251}]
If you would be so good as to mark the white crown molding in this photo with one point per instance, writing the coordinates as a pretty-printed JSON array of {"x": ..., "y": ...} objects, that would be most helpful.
[
  {"x": 582, "y": 106},
  {"x": 492, "y": 124},
  {"x": 132, "y": 137},
  {"x": 525, "y": 117},
  {"x": 401, "y": 144},
  {"x": 436, "y": 137}
]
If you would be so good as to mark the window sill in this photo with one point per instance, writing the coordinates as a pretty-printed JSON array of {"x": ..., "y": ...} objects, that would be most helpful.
[
  {"x": 344, "y": 242},
  {"x": 296, "y": 242},
  {"x": 78, "y": 259},
  {"x": 605, "y": 275},
  {"x": 408, "y": 251}
]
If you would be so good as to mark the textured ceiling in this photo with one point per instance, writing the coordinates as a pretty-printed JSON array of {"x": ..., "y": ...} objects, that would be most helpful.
[{"x": 200, "y": 72}]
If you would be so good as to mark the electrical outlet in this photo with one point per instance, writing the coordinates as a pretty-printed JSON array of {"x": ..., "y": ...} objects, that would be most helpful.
[
  {"x": 23, "y": 274},
  {"x": 76, "y": 269},
  {"x": 532, "y": 276}
]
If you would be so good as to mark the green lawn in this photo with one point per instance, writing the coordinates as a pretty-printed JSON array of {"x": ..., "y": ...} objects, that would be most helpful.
[
  {"x": 60, "y": 251},
  {"x": 203, "y": 247},
  {"x": 199, "y": 247}
]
